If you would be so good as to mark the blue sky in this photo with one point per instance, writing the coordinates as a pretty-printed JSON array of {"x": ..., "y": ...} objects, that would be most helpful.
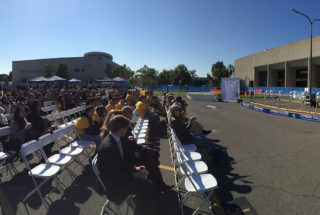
[{"x": 158, "y": 33}]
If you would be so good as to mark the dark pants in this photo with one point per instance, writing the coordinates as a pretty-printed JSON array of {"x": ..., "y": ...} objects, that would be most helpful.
[
  {"x": 150, "y": 159},
  {"x": 144, "y": 191}
]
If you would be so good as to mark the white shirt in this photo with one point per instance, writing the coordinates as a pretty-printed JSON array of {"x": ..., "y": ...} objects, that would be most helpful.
[{"x": 118, "y": 143}]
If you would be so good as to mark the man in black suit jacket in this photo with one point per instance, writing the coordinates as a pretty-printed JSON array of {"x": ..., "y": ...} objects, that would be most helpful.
[{"x": 119, "y": 177}]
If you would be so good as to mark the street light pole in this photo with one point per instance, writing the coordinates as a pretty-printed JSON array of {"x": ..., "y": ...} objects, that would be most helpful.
[{"x": 310, "y": 58}]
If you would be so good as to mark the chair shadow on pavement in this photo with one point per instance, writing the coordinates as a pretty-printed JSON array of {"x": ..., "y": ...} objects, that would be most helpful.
[
  {"x": 21, "y": 184},
  {"x": 222, "y": 170}
]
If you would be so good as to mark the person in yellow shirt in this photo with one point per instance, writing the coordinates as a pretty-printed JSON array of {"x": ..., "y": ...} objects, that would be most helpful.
[
  {"x": 144, "y": 112},
  {"x": 119, "y": 105},
  {"x": 142, "y": 106},
  {"x": 112, "y": 105},
  {"x": 129, "y": 98},
  {"x": 86, "y": 129},
  {"x": 61, "y": 105},
  {"x": 98, "y": 117}
]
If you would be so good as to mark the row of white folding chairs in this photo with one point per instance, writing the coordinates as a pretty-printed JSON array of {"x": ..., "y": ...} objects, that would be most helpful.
[
  {"x": 192, "y": 172},
  {"x": 48, "y": 103},
  {"x": 9, "y": 166},
  {"x": 53, "y": 165},
  {"x": 65, "y": 115},
  {"x": 47, "y": 109},
  {"x": 141, "y": 130}
]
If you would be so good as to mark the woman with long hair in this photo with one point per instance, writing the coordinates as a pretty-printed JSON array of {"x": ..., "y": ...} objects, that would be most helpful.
[
  {"x": 19, "y": 127},
  {"x": 40, "y": 125},
  {"x": 105, "y": 129}
]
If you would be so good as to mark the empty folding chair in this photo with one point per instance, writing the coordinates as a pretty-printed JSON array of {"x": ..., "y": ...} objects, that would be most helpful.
[
  {"x": 61, "y": 160},
  {"x": 67, "y": 150},
  {"x": 194, "y": 167},
  {"x": 106, "y": 206},
  {"x": 198, "y": 185},
  {"x": 45, "y": 171}
]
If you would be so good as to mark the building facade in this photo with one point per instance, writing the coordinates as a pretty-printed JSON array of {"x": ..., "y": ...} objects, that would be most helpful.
[
  {"x": 87, "y": 68},
  {"x": 283, "y": 66}
]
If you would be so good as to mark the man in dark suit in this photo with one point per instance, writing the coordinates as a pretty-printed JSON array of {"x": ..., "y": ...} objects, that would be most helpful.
[{"x": 119, "y": 176}]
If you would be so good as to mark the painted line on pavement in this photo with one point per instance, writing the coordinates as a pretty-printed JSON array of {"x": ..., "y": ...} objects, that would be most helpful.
[{"x": 166, "y": 167}]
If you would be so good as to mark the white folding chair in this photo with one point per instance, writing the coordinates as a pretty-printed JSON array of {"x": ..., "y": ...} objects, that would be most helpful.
[
  {"x": 45, "y": 171},
  {"x": 61, "y": 160},
  {"x": 106, "y": 205},
  {"x": 135, "y": 115},
  {"x": 8, "y": 158},
  {"x": 196, "y": 184}
]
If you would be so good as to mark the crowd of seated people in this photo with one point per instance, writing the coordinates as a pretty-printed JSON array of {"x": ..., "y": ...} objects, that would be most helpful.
[
  {"x": 189, "y": 130},
  {"x": 126, "y": 167}
]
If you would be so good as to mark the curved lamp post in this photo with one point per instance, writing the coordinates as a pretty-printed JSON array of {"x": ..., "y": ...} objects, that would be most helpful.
[{"x": 310, "y": 59}]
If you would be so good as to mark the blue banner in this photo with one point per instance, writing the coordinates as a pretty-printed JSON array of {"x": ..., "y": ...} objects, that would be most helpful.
[{"x": 302, "y": 116}]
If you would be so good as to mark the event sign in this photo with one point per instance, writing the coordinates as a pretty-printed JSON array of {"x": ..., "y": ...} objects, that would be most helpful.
[{"x": 230, "y": 89}]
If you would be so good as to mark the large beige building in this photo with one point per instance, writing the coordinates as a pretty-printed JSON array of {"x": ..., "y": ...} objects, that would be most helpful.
[
  {"x": 87, "y": 68},
  {"x": 283, "y": 66}
]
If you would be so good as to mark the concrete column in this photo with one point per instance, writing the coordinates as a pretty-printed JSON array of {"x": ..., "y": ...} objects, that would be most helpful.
[
  {"x": 289, "y": 76},
  {"x": 271, "y": 77},
  {"x": 268, "y": 76}
]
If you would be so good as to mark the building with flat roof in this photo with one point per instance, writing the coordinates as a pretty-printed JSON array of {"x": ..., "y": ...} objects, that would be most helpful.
[
  {"x": 87, "y": 68},
  {"x": 283, "y": 66}
]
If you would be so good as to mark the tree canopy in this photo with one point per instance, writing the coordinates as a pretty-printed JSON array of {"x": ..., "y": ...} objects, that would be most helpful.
[
  {"x": 120, "y": 71},
  {"x": 147, "y": 76},
  {"x": 48, "y": 71},
  {"x": 218, "y": 71},
  {"x": 182, "y": 75},
  {"x": 63, "y": 70}
]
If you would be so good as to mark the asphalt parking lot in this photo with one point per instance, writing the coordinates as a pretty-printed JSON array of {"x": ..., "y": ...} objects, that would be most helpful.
[{"x": 271, "y": 161}]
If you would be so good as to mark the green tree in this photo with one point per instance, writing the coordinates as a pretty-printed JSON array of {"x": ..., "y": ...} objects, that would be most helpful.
[
  {"x": 48, "y": 71},
  {"x": 10, "y": 76},
  {"x": 165, "y": 77},
  {"x": 121, "y": 71},
  {"x": 209, "y": 80},
  {"x": 4, "y": 77},
  {"x": 147, "y": 76},
  {"x": 230, "y": 70},
  {"x": 182, "y": 75},
  {"x": 193, "y": 75},
  {"x": 63, "y": 70},
  {"x": 108, "y": 69},
  {"x": 218, "y": 71}
]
